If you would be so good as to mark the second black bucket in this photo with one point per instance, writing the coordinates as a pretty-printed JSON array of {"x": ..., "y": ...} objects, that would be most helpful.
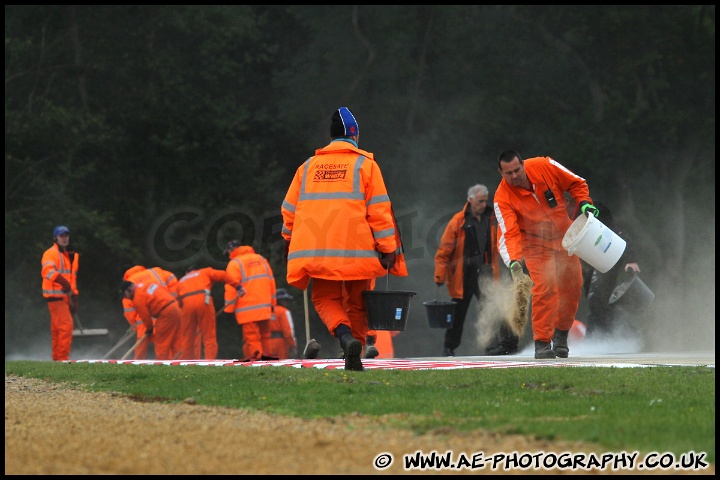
[
  {"x": 632, "y": 295},
  {"x": 387, "y": 309},
  {"x": 440, "y": 314}
]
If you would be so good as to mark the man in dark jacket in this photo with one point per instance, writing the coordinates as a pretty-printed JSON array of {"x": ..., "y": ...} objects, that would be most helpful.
[
  {"x": 467, "y": 250},
  {"x": 598, "y": 287}
]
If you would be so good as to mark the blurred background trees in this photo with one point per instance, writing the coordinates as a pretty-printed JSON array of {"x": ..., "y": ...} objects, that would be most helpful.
[{"x": 157, "y": 133}]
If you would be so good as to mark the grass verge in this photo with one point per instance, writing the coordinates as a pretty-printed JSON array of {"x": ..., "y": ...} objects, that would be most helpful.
[{"x": 654, "y": 409}]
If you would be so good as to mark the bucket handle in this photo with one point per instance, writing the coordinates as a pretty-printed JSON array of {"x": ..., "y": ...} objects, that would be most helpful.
[{"x": 437, "y": 293}]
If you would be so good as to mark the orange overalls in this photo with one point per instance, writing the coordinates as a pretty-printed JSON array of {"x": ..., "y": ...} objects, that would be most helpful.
[
  {"x": 55, "y": 263},
  {"x": 338, "y": 218},
  {"x": 532, "y": 230},
  {"x": 254, "y": 307},
  {"x": 137, "y": 274},
  {"x": 152, "y": 299},
  {"x": 280, "y": 338},
  {"x": 198, "y": 312}
]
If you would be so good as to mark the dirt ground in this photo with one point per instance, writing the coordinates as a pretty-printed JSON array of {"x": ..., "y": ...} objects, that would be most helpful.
[{"x": 53, "y": 429}]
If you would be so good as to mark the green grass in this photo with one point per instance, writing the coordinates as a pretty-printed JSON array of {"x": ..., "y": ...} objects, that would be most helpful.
[{"x": 662, "y": 409}]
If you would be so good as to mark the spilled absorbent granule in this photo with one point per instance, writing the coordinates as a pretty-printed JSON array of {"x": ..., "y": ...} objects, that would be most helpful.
[{"x": 519, "y": 311}]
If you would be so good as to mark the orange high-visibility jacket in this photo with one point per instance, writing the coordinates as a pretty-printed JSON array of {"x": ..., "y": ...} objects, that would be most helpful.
[
  {"x": 522, "y": 224},
  {"x": 150, "y": 299},
  {"x": 138, "y": 274},
  {"x": 54, "y": 263},
  {"x": 449, "y": 255},
  {"x": 199, "y": 282},
  {"x": 251, "y": 271},
  {"x": 337, "y": 216},
  {"x": 280, "y": 337}
]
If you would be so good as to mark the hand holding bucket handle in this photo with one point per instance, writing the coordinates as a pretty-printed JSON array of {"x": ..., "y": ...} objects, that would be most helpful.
[
  {"x": 588, "y": 209},
  {"x": 632, "y": 268}
]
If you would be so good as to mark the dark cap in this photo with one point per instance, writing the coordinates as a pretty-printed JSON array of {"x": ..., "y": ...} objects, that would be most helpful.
[
  {"x": 232, "y": 245},
  {"x": 282, "y": 294},
  {"x": 123, "y": 287},
  {"x": 343, "y": 123}
]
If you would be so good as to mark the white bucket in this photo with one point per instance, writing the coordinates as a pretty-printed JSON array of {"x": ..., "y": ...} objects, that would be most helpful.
[{"x": 594, "y": 242}]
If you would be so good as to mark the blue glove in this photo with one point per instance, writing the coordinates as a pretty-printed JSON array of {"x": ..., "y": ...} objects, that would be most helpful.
[
  {"x": 240, "y": 291},
  {"x": 588, "y": 208}
]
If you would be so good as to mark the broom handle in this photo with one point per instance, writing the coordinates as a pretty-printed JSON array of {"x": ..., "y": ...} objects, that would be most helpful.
[
  {"x": 132, "y": 349},
  {"x": 77, "y": 320},
  {"x": 307, "y": 318},
  {"x": 124, "y": 339}
]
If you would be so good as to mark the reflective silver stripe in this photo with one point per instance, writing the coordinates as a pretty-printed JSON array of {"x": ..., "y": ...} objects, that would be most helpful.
[
  {"x": 54, "y": 292},
  {"x": 388, "y": 232},
  {"x": 332, "y": 196},
  {"x": 196, "y": 292},
  {"x": 252, "y": 307},
  {"x": 379, "y": 199},
  {"x": 333, "y": 253},
  {"x": 288, "y": 206}
]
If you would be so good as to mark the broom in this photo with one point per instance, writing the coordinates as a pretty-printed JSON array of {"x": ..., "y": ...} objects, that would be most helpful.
[{"x": 80, "y": 331}]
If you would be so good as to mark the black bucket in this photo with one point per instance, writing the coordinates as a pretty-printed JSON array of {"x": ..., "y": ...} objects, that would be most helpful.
[
  {"x": 440, "y": 314},
  {"x": 387, "y": 310},
  {"x": 632, "y": 295}
]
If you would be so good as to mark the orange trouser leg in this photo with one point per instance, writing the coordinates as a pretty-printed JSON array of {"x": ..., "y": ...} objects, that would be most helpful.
[
  {"x": 165, "y": 333},
  {"x": 557, "y": 290},
  {"x": 357, "y": 312},
  {"x": 188, "y": 327},
  {"x": 61, "y": 328},
  {"x": 208, "y": 331},
  {"x": 570, "y": 283},
  {"x": 193, "y": 312},
  {"x": 341, "y": 302},
  {"x": 252, "y": 337},
  {"x": 141, "y": 350}
]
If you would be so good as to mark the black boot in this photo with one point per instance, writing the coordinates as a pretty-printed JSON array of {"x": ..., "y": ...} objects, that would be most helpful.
[
  {"x": 371, "y": 350},
  {"x": 543, "y": 350},
  {"x": 352, "y": 349},
  {"x": 560, "y": 345},
  {"x": 311, "y": 349}
]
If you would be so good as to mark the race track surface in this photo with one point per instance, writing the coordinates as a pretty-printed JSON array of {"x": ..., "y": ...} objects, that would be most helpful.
[{"x": 523, "y": 359}]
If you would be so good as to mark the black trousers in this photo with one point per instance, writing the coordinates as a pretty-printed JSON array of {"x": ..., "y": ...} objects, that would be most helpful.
[
  {"x": 601, "y": 315},
  {"x": 471, "y": 289},
  {"x": 453, "y": 335}
]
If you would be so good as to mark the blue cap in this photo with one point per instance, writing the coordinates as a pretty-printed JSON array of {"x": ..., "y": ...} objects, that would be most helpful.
[
  {"x": 343, "y": 123},
  {"x": 60, "y": 230}
]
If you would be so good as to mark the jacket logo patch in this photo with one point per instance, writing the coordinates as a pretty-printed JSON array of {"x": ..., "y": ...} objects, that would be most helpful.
[{"x": 329, "y": 175}]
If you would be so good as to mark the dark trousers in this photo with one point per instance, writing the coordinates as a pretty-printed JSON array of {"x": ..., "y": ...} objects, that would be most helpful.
[
  {"x": 453, "y": 335},
  {"x": 601, "y": 315}
]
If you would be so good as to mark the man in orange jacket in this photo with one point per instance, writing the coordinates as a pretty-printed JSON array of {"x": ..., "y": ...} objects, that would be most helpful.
[
  {"x": 280, "y": 339},
  {"x": 467, "y": 250},
  {"x": 532, "y": 215},
  {"x": 59, "y": 287},
  {"x": 154, "y": 300},
  {"x": 340, "y": 231},
  {"x": 250, "y": 295},
  {"x": 137, "y": 274},
  {"x": 194, "y": 291}
]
